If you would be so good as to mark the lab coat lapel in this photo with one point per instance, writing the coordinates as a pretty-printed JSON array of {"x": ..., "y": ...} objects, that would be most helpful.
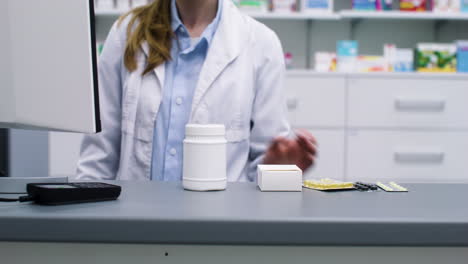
[
  {"x": 160, "y": 71},
  {"x": 224, "y": 48}
]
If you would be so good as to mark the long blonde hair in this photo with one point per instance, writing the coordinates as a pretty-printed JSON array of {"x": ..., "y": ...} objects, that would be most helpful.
[{"x": 153, "y": 25}]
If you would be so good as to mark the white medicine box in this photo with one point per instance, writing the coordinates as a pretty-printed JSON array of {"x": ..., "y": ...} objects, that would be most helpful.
[{"x": 279, "y": 178}]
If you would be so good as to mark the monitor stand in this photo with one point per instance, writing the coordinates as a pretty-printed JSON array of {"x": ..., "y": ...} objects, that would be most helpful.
[
  {"x": 14, "y": 185},
  {"x": 4, "y": 152}
]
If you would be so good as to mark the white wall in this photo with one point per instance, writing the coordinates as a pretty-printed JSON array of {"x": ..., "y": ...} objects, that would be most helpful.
[{"x": 64, "y": 149}]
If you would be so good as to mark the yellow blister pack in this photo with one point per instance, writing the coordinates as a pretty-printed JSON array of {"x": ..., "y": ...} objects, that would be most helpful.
[{"x": 328, "y": 185}]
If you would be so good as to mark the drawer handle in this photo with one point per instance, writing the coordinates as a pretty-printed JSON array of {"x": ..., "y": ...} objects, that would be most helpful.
[
  {"x": 420, "y": 105},
  {"x": 419, "y": 156},
  {"x": 292, "y": 103}
]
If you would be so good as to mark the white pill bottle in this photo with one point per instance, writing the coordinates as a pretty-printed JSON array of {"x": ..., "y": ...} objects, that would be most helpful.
[{"x": 204, "y": 167}]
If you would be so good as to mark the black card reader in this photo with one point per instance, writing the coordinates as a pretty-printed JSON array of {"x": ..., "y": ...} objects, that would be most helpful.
[{"x": 68, "y": 193}]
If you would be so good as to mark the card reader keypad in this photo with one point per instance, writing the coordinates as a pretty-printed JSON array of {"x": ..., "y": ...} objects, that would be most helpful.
[{"x": 94, "y": 185}]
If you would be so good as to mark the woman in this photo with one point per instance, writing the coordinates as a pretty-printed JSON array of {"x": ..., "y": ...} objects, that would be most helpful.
[{"x": 175, "y": 62}]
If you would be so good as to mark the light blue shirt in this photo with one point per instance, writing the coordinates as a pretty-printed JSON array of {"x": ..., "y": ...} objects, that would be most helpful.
[{"x": 181, "y": 79}]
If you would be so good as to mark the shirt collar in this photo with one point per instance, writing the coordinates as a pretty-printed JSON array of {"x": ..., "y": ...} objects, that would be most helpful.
[{"x": 209, "y": 32}]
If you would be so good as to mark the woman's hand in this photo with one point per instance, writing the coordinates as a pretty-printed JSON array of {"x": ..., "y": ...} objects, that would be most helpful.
[{"x": 300, "y": 151}]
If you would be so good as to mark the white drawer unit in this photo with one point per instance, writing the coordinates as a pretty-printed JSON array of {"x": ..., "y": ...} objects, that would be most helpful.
[
  {"x": 330, "y": 162},
  {"x": 316, "y": 100},
  {"x": 408, "y": 102},
  {"x": 407, "y": 156}
]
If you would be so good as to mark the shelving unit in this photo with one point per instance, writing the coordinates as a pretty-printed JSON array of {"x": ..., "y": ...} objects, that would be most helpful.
[
  {"x": 298, "y": 31},
  {"x": 256, "y": 15},
  {"x": 353, "y": 14},
  {"x": 345, "y": 14},
  {"x": 296, "y": 16},
  {"x": 400, "y": 75}
]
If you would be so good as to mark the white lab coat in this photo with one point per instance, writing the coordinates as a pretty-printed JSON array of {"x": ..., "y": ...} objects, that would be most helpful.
[{"x": 240, "y": 86}]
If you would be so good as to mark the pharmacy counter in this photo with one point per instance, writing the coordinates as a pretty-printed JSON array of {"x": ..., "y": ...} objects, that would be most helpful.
[{"x": 152, "y": 213}]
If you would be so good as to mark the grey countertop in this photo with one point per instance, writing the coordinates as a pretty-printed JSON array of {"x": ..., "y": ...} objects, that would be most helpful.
[{"x": 155, "y": 212}]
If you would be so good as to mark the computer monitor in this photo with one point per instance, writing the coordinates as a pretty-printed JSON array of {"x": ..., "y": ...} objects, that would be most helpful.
[{"x": 48, "y": 69}]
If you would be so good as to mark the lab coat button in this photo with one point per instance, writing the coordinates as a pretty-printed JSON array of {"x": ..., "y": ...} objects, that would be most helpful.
[
  {"x": 179, "y": 101},
  {"x": 173, "y": 151}
]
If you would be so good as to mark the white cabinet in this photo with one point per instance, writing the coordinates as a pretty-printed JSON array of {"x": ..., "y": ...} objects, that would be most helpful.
[
  {"x": 330, "y": 162},
  {"x": 407, "y": 156},
  {"x": 316, "y": 100},
  {"x": 408, "y": 102},
  {"x": 411, "y": 128},
  {"x": 406, "y": 127}
]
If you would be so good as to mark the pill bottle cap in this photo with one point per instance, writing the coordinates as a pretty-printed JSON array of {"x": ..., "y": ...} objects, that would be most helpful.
[{"x": 205, "y": 130}]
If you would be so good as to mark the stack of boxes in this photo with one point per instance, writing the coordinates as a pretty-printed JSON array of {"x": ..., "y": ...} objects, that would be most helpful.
[
  {"x": 285, "y": 6},
  {"x": 446, "y": 5},
  {"x": 372, "y": 5},
  {"x": 309, "y": 6},
  {"x": 433, "y": 57},
  {"x": 464, "y": 5},
  {"x": 413, "y": 5},
  {"x": 427, "y": 58},
  {"x": 252, "y": 5},
  {"x": 462, "y": 56}
]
